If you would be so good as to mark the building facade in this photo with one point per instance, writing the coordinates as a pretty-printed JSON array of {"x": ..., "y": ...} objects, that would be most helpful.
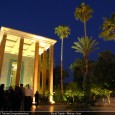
[{"x": 20, "y": 59}]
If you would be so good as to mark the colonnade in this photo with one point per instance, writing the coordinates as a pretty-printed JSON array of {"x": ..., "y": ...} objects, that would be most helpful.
[{"x": 37, "y": 58}]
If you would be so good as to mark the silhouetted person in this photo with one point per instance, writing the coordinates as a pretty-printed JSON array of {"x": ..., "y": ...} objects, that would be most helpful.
[
  {"x": 9, "y": 98},
  {"x": 5, "y": 106},
  {"x": 1, "y": 96},
  {"x": 28, "y": 98},
  {"x": 17, "y": 99},
  {"x": 22, "y": 95},
  {"x": 36, "y": 98}
]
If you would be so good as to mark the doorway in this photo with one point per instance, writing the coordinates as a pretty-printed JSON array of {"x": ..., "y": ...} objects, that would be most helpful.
[
  {"x": 12, "y": 69},
  {"x": 13, "y": 74}
]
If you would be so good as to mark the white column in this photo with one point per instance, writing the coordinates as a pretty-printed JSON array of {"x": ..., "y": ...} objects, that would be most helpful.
[
  {"x": 38, "y": 80},
  {"x": 51, "y": 54},
  {"x": 35, "y": 67},
  {"x": 44, "y": 73},
  {"x": 2, "y": 49},
  {"x": 19, "y": 62}
]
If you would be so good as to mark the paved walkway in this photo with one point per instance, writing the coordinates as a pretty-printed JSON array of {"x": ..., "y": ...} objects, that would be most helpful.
[
  {"x": 100, "y": 107},
  {"x": 50, "y": 108},
  {"x": 62, "y": 110}
]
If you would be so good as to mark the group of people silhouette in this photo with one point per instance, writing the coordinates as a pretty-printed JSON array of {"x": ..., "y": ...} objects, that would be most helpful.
[{"x": 17, "y": 98}]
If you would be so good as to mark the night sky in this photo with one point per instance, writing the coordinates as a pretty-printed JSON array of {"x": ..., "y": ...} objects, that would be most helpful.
[{"x": 42, "y": 16}]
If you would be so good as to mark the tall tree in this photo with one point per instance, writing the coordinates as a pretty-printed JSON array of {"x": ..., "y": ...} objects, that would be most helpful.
[
  {"x": 85, "y": 46},
  {"x": 78, "y": 68},
  {"x": 108, "y": 28},
  {"x": 83, "y": 13},
  {"x": 62, "y": 32},
  {"x": 105, "y": 69}
]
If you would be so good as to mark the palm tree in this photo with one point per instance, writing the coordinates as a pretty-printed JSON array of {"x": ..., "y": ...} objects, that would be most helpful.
[
  {"x": 62, "y": 32},
  {"x": 83, "y": 13},
  {"x": 108, "y": 28},
  {"x": 85, "y": 46}
]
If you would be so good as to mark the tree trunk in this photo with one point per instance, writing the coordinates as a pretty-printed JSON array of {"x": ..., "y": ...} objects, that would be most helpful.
[
  {"x": 85, "y": 27},
  {"x": 86, "y": 66},
  {"x": 87, "y": 84},
  {"x": 62, "y": 66}
]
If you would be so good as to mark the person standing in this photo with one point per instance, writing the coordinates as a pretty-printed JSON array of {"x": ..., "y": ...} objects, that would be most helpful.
[
  {"x": 1, "y": 96},
  {"x": 28, "y": 98},
  {"x": 36, "y": 98},
  {"x": 9, "y": 96},
  {"x": 22, "y": 96},
  {"x": 17, "y": 99}
]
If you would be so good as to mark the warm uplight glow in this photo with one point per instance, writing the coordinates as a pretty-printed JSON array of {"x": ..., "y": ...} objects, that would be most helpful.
[
  {"x": 51, "y": 100},
  {"x": 33, "y": 100}
]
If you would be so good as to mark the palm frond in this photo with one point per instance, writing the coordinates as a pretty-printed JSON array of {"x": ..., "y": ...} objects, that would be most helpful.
[
  {"x": 83, "y": 10},
  {"x": 85, "y": 45},
  {"x": 62, "y": 31},
  {"x": 108, "y": 28}
]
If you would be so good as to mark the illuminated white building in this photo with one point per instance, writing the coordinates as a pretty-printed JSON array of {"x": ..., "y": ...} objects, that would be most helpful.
[{"x": 20, "y": 55}]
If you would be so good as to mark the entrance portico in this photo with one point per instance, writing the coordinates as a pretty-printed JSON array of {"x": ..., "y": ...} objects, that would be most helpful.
[{"x": 29, "y": 45}]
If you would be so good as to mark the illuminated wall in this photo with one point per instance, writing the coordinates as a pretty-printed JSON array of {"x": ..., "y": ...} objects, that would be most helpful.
[{"x": 28, "y": 68}]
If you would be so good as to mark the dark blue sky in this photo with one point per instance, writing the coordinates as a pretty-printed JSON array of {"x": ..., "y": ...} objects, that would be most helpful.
[{"x": 42, "y": 16}]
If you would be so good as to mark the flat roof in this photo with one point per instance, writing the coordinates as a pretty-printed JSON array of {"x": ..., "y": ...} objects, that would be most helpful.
[{"x": 13, "y": 40}]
